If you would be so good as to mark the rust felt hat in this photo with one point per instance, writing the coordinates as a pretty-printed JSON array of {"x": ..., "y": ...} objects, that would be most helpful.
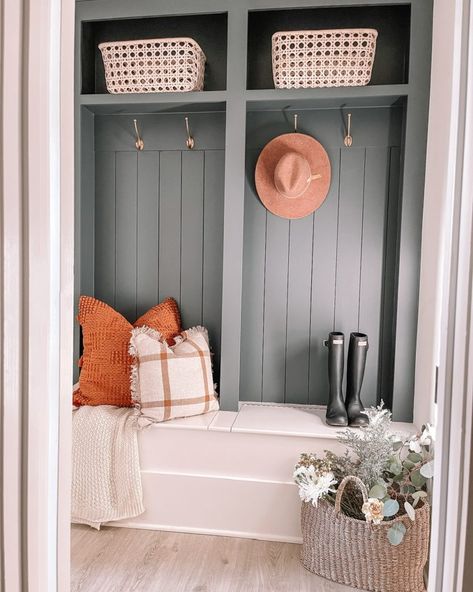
[{"x": 292, "y": 175}]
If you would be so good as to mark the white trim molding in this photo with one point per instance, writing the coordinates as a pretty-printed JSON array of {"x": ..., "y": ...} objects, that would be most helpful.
[
  {"x": 66, "y": 288},
  {"x": 37, "y": 277},
  {"x": 12, "y": 280},
  {"x": 451, "y": 139}
]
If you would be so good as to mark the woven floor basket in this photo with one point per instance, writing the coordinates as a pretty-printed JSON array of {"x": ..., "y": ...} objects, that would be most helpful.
[
  {"x": 358, "y": 554},
  {"x": 333, "y": 57},
  {"x": 153, "y": 65}
]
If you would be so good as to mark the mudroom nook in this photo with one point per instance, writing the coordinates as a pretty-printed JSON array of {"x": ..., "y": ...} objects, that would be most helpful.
[{"x": 167, "y": 207}]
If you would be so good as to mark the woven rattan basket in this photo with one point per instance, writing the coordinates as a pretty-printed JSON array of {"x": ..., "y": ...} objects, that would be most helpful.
[
  {"x": 153, "y": 65},
  {"x": 358, "y": 554},
  {"x": 332, "y": 57}
]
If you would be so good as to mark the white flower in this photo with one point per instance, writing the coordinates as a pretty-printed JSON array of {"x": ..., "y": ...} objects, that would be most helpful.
[
  {"x": 313, "y": 485},
  {"x": 373, "y": 510},
  {"x": 414, "y": 445},
  {"x": 426, "y": 437}
]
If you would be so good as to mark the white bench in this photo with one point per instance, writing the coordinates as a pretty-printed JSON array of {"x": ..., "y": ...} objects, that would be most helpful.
[{"x": 230, "y": 473}]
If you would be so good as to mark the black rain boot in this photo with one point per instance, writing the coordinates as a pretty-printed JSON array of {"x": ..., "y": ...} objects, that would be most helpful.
[
  {"x": 357, "y": 352},
  {"x": 336, "y": 412}
]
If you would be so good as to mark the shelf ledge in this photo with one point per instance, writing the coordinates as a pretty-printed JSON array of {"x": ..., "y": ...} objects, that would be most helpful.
[
  {"x": 154, "y": 102},
  {"x": 334, "y": 97}
]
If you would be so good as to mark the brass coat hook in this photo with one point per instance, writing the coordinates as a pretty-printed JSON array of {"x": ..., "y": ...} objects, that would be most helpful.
[
  {"x": 295, "y": 122},
  {"x": 190, "y": 140},
  {"x": 139, "y": 141},
  {"x": 348, "y": 141}
]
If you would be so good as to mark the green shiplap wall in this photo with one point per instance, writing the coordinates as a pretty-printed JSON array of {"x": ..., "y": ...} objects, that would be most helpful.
[
  {"x": 281, "y": 286},
  {"x": 158, "y": 219},
  {"x": 328, "y": 271}
]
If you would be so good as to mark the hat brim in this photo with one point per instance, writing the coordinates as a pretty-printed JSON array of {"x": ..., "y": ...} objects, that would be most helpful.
[{"x": 315, "y": 194}]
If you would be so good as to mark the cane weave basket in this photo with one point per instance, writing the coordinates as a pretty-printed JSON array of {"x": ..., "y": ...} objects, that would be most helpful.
[
  {"x": 332, "y": 57},
  {"x": 357, "y": 553},
  {"x": 153, "y": 65}
]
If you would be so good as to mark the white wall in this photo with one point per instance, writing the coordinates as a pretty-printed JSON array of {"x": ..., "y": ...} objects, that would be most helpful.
[
  {"x": 437, "y": 211},
  {"x": 447, "y": 277}
]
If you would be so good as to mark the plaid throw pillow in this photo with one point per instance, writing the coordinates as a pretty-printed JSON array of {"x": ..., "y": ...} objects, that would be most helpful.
[{"x": 169, "y": 382}]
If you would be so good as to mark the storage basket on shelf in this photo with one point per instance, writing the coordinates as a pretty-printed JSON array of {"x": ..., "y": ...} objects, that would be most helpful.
[
  {"x": 153, "y": 65},
  {"x": 358, "y": 553},
  {"x": 332, "y": 57}
]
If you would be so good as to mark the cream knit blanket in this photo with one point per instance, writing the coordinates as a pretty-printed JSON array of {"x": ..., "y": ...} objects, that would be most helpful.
[{"x": 106, "y": 478}]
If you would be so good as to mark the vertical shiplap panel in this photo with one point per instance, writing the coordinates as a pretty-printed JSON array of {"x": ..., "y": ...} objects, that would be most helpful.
[
  {"x": 147, "y": 231},
  {"x": 170, "y": 225},
  {"x": 389, "y": 304},
  {"x": 323, "y": 284},
  {"x": 192, "y": 237},
  {"x": 375, "y": 198},
  {"x": 275, "y": 311},
  {"x": 105, "y": 253},
  {"x": 213, "y": 250},
  {"x": 85, "y": 210},
  {"x": 350, "y": 229},
  {"x": 298, "y": 310},
  {"x": 251, "y": 360},
  {"x": 126, "y": 219}
]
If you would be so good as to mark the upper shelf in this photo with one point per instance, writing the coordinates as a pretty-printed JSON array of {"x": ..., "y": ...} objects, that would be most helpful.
[
  {"x": 392, "y": 50},
  {"x": 154, "y": 102},
  {"x": 256, "y": 100},
  {"x": 209, "y": 30},
  {"x": 329, "y": 98}
]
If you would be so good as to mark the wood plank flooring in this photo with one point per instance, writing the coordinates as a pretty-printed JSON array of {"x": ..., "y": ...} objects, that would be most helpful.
[{"x": 126, "y": 560}]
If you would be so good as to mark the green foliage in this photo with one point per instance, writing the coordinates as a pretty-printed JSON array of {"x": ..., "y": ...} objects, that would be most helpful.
[
  {"x": 396, "y": 533},
  {"x": 427, "y": 470},
  {"x": 378, "y": 491},
  {"x": 391, "y": 508},
  {"x": 408, "y": 470},
  {"x": 410, "y": 511},
  {"x": 370, "y": 447},
  {"x": 417, "y": 496},
  {"x": 417, "y": 479},
  {"x": 394, "y": 471}
]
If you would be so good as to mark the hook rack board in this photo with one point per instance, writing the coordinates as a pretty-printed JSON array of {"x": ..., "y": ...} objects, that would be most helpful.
[{"x": 272, "y": 288}]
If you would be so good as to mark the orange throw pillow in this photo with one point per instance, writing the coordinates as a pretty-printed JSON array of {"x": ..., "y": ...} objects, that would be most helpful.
[{"x": 106, "y": 363}]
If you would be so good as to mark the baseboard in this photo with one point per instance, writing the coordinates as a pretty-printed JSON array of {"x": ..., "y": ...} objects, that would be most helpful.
[{"x": 260, "y": 536}]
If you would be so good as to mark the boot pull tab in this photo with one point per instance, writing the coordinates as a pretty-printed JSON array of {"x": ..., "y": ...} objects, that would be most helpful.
[{"x": 326, "y": 342}]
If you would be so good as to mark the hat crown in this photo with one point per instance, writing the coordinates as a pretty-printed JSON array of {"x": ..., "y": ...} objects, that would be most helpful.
[{"x": 292, "y": 175}]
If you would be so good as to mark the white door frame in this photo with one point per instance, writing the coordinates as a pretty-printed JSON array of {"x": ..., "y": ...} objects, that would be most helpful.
[
  {"x": 66, "y": 306},
  {"x": 452, "y": 115},
  {"x": 37, "y": 163}
]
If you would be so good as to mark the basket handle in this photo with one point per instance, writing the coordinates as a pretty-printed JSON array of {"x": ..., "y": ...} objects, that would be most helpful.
[{"x": 341, "y": 488}]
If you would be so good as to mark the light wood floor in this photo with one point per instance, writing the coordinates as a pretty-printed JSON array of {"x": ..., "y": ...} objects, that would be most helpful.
[{"x": 125, "y": 560}]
